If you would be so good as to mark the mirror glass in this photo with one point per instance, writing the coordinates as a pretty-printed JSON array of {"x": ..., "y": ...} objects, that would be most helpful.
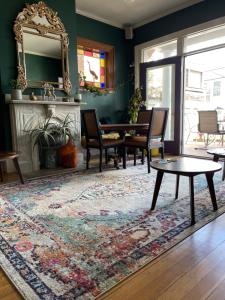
[{"x": 43, "y": 57}]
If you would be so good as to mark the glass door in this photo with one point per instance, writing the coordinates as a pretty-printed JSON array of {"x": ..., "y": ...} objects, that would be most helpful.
[{"x": 161, "y": 84}]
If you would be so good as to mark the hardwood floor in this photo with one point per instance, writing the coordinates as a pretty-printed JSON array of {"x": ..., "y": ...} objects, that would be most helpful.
[{"x": 194, "y": 269}]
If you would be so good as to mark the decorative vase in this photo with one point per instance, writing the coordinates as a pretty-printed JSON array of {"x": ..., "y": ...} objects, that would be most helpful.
[
  {"x": 68, "y": 155},
  {"x": 16, "y": 94}
]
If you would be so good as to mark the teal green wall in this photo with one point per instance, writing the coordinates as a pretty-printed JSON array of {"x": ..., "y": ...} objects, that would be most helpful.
[
  {"x": 196, "y": 14},
  {"x": 112, "y": 105},
  {"x": 8, "y": 60},
  {"x": 41, "y": 68}
]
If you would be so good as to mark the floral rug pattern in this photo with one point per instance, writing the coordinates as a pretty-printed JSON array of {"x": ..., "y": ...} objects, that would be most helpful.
[{"x": 74, "y": 236}]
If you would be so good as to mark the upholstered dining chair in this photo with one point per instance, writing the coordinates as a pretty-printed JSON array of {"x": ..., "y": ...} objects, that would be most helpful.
[
  {"x": 93, "y": 136},
  {"x": 142, "y": 118},
  {"x": 208, "y": 123},
  {"x": 154, "y": 137},
  {"x": 4, "y": 156}
]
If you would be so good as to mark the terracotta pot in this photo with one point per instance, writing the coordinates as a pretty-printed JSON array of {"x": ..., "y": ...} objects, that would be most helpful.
[{"x": 68, "y": 155}]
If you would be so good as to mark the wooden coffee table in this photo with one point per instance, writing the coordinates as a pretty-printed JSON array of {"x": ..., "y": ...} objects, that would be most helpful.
[
  {"x": 189, "y": 167},
  {"x": 217, "y": 154}
]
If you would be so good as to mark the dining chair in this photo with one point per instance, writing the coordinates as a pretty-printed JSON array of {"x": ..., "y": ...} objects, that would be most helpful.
[
  {"x": 142, "y": 118},
  {"x": 154, "y": 137},
  {"x": 208, "y": 123},
  {"x": 93, "y": 136},
  {"x": 4, "y": 156}
]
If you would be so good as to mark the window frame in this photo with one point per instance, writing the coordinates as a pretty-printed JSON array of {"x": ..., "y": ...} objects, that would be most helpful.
[
  {"x": 179, "y": 35},
  {"x": 109, "y": 60}
]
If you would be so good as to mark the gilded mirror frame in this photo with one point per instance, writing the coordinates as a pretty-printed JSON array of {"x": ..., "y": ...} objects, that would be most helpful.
[{"x": 25, "y": 23}]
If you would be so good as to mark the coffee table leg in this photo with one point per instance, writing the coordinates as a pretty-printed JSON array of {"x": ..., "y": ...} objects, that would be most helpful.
[
  {"x": 209, "y": 177},
  {"x": 216, "y": 158},
  {"x": 192, "y": 203},
  {"x": 177, "y": 186},
  {"x": 157, "y": 188}
]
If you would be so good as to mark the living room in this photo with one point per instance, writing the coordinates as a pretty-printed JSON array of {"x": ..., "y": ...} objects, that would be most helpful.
[{"x": 63, "y": 234}]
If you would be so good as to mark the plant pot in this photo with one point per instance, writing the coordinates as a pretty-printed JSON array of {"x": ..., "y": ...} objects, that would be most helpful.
[
  {"x": 68, "y": 155},
  {"x": 16, "y": 94},
  {"x": 50, "y": 157}
]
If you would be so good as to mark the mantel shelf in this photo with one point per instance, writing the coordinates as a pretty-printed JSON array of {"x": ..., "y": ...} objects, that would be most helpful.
[{"x": 31, "y": 102}]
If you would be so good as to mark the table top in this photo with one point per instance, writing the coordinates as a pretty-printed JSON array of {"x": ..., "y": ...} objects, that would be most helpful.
[
  {"x": 124, "y": 127},
  {"x": 217, "y": 151},
  {"x": 187, "y": 166}
]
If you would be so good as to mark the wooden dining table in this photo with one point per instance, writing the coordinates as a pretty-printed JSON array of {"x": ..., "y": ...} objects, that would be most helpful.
[{"x": 123, "y": 127}]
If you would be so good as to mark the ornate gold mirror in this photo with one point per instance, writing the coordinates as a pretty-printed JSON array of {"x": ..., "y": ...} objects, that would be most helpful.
[{"x": 42, "y": 48}]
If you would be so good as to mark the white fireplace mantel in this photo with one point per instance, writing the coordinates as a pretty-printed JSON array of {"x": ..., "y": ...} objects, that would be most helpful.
[{"x": 24, "y": 112}]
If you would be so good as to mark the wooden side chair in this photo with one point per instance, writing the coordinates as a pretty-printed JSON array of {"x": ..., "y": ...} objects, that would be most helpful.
[
  {"x": 93, "y": 136},
  {"x": 4, "y": 156},
  {"x": 142, "y": 118},
  {"x": 154, "y": 137}
]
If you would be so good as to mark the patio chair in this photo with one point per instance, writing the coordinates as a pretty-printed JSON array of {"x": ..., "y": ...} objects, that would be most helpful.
[{"x": 208, "y": 124}]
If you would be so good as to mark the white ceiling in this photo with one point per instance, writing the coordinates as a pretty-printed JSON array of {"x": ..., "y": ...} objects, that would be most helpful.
[{"x": 120, "y": 13}]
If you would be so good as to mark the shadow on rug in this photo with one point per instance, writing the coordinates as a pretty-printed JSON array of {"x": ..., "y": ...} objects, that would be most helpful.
[{"x": 74, "y": 236}]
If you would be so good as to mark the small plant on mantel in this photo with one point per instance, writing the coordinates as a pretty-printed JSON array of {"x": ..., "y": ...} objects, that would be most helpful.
[
  {"x": 84, "y": 85},
  {"x": 16, "y": 92}
]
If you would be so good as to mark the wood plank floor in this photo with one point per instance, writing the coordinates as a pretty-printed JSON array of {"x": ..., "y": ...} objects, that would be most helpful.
[{"x": 194, "y": 269}]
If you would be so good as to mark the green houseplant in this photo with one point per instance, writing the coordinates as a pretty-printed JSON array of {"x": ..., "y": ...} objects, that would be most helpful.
[
  {"x": 49, "y": 135},
  {"x": 91, "y": 88},
  {"x": 135, "y": 103},
  {"x": 16, "y": 92}
]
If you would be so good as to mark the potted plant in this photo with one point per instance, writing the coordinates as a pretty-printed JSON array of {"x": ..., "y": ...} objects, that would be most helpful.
[
  {"x": 136, "y": 102},
  {"x": 50, "y": 135},
  {"x": 16, "y": 92}
]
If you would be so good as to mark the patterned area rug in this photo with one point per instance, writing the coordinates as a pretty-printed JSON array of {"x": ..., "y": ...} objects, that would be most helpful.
[{"x": 75, "y": 236}]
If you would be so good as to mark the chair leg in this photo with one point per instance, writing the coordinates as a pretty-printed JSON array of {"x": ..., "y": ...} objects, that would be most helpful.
[
  {"x": 106, "y": 156},
  {"x": 142, "y": 156},
  {"x": 1, "y": 172},
  {"x": 162, "y": 152},
  {"x": 135, "y": 156},
  {"x": 88, "y": 158},
  {"x": 17, "y": 166},
  {"x": 100, "y": 160},
  {"x": 148, "y": 159},
  {"x": 124, "y": 157}
]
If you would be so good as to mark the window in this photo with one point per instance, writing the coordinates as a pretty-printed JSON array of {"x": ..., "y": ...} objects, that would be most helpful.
[
  {"x": 216, "y": 88},
  {"x": 96, "y": 63},
  {"x": 160, "y": 51},
  {"x": 193, "y": 79},
  {"x": 203, "y": 39}
]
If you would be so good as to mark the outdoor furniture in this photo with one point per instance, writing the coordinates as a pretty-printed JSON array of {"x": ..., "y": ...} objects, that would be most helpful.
[
  {"x": 208, "y": 123},
  {"x": 93, "y": 136},
  {"x": 189, "y": 167},
  {"x": 217, "y": 154},
  {"x": 4, "y": 156},
  {"x": 154, "y": 137}
]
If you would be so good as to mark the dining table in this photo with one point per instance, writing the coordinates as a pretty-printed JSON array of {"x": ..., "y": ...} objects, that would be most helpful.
[{"x": 123, "y": 127}]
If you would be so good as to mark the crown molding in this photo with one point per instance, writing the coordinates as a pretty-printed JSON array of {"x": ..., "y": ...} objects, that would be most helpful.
[
  {"x": 97, "y": 18},
  {"x": 138, "y": 24}
]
